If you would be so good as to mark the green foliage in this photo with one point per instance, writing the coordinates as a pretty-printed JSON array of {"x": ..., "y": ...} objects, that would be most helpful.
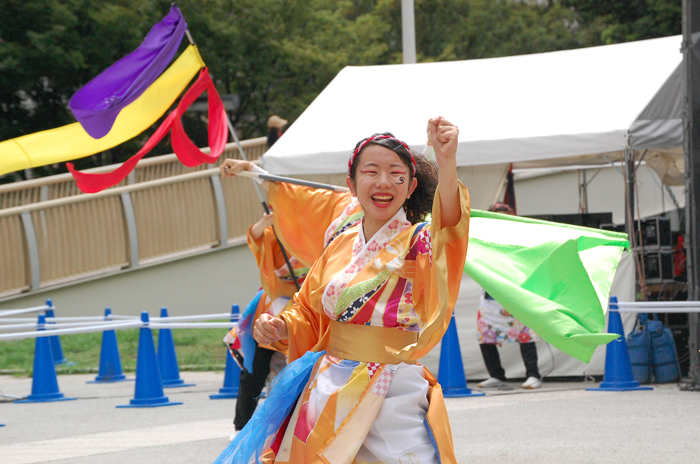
[
  {"x": 628, "y": 20},
  {"x": 278, "y": 55},
  {"x": 503, "y": 28},
  {"x": 50, "y": 48}
]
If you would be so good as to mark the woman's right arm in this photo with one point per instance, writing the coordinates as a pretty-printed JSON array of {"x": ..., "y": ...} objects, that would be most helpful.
[
  {"x": 269, "y": 329},
  {"x": 231, "y": 167},
  {"x": 302, "y": 326}
]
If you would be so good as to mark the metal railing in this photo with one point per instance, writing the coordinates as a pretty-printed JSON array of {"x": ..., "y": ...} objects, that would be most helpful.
[
  {"x": 50, "y": 233},
  {"x": 166, "y": 211},
  {"x": 67, "y": 239},
  {"x": 159, "y": 167}
]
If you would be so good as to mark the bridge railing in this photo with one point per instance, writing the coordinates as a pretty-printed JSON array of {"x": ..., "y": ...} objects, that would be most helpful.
[
  {"x": 158, "y": 167},
  {"x": 167, "y": 211},
  {"x": 56, "y": 241}
]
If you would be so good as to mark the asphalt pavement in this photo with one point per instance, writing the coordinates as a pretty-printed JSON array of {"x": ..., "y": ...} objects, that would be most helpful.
[{"x": 559, "y": 423}]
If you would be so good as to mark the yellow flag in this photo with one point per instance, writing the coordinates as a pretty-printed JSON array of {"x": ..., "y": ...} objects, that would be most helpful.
[{"x": 72, "y": 142}]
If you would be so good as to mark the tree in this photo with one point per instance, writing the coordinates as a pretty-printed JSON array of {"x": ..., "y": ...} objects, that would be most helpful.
[
  {"x": 276, "y": 56},
  {"x": 624, "y": 21},
  {"x": 50, "y": 48}
]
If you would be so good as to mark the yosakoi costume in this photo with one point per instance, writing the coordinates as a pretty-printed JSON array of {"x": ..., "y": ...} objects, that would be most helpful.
[
  {"x": 310, "y": 218},
  {"x": 494, "y": 325},
  {"x": 278, "y": 284},
  {"x": 257, "y": 362},
  {"x": 321, "y": 215},
  {"x": 374, "y": 307},
  {"x": 277, "y": 290}
]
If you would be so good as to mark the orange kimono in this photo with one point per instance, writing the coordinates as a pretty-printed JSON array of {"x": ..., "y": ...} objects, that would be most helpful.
[
  {"x": 309, "y": 219},
  {"x": 375, "y": 307},
  {"x": 320, "y": 215}
]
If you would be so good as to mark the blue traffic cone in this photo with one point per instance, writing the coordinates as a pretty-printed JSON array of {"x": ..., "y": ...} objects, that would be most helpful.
[
  {"x": 148, "y": 392},
  {"x": 110, "y": 363},
  {"x": 44, "y": 381},
  {"x": 618, "y": 369},
  {"x": 55, "y": 340},
  {"x": 167, "y": 358},
  {"x": 232, "y": 377},
  {"x": 451, "y": 374}
]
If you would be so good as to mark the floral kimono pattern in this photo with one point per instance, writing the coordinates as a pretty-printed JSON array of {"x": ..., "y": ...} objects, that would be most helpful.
[
  {"x": 387, "y": 302},
  {"x": 494, "y": 325}
]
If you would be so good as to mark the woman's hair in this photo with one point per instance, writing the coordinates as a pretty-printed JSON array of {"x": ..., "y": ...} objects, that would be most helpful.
[
  {"x": 273, "y": 134},
  {"x": 421, "y": 201},
  {"x": 502, "y": 208}
]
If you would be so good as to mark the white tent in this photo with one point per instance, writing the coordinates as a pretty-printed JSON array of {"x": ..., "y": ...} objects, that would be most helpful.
[
  {"x": 574, "y": 107},
  {"x": 520, "y": 109}
]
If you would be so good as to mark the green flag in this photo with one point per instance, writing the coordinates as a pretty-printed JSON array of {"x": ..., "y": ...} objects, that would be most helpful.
[{"x": 554, "y": 278}]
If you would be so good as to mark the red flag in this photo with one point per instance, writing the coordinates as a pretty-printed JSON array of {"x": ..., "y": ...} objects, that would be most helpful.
[{"x": 186, "y": 151}]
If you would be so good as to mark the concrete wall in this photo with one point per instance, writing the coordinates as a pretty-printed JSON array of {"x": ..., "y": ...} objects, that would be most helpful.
[{"x": 203, "y": 284}]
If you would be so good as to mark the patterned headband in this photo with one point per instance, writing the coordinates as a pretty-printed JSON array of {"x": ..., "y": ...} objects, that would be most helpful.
[{"x": 380, "y": 137}]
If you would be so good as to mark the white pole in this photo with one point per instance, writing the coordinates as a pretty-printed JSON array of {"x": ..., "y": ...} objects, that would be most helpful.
[
  {"x": 12, "y": 312},
  {"x": 408, "y": 31},
  {"x": 51, "y": 333},
  {"x": 190, "y": 325},
  {"x": 203, "y": 317}
]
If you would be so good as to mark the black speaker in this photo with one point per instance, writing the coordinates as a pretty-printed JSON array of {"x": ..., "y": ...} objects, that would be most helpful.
[
  {"x": 593, "y": 220},
  {"x": 656, "y": 233},
  {"x": 658, "y": 266},
  {"x": 613, "y": 227}
]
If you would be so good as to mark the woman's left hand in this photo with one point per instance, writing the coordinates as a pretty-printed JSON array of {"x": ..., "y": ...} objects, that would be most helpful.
[{"x": 443, "y": 136}]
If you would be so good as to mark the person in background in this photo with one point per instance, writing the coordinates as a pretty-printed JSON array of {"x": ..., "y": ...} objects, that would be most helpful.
[
  {"x": 495, "y": 325},
  {"x": 321, "y": 216},
  {"x": 275, "y": 124},
  {"x": 278, "y": 288}
]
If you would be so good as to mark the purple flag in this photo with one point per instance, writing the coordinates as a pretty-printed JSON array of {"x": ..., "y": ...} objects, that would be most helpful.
[{"x": 97, "y": 104}]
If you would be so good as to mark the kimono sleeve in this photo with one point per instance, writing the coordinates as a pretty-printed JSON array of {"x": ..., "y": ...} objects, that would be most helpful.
[
  {"x": 442, "y": 252},
  {"x": 269, "y": 258},
  {"x": 307, "y": 324},
  {"x": 302, "y": 215}
]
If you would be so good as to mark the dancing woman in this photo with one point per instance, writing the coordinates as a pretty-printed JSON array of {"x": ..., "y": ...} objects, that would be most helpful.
[{"x": 379, "y": 298}]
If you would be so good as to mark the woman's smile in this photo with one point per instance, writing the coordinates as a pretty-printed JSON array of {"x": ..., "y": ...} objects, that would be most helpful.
[{"x": 382, "y": 200}]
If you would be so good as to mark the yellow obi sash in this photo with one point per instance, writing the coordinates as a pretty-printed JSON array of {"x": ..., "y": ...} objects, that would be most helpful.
[{"x": 366, "y": 343}]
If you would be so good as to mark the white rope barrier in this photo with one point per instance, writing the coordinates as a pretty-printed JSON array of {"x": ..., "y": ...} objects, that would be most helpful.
[
  {"x": 94, "y": 328},
  {"x": 657, "y": 307},
  {"x": 61, "y": 319},
  {"x": 12, "y": 312},
  {"x": 191, "y": 325},
  {"x": 10, "y": 327},
  {"x": 88, "y": 318},
  {"x": 203, "y": 317},
  {"x": 54, "y": 326},
  {"x": 153, "y": 324},
  {"x": 22, "y": 319}
]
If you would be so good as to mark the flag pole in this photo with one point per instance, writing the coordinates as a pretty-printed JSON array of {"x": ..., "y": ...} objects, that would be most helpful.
[
  {"x": 257, "y": 187},
  {"x": 290, "y": 180}
]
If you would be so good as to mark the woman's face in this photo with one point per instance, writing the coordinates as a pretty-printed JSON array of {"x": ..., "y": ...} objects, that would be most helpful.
[{"x": 381, "y": 185}]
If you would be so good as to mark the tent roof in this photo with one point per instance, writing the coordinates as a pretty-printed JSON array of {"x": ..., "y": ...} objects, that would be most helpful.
[{"x": 512, "y": 109}]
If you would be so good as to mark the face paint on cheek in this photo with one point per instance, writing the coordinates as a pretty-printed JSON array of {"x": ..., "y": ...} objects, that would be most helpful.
[{"x": 401, "y": 181}]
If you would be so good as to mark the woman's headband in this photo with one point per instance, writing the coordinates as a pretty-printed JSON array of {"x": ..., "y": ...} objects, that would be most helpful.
[{"x": 379, "y": 137}]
